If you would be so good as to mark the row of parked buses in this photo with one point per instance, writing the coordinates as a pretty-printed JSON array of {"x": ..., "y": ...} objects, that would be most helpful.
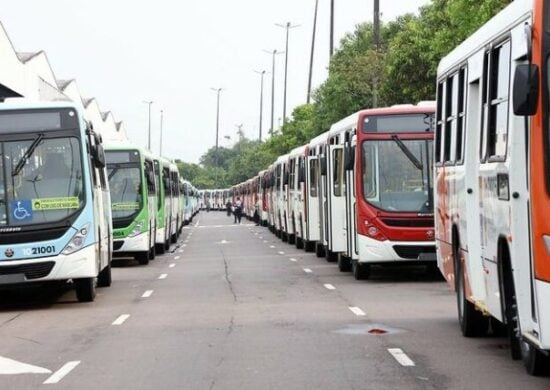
[
  {"x": 69, "y": 204},
  {"x": 362, "y": 193}
]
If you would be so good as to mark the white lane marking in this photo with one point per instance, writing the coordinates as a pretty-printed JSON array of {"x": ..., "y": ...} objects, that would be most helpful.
[
  {"x": 62, "y": 372},
  {"x": 272, "y": 246},
  {"x": 172, "y": 265},
  {"x": 163, "y": 276},
  {"x": 401, "y": 357},
  {"x": 176, "y": 258},
  {"x": 292, "y": 259},
  {"x": 184, "y": 245},
  {"x": 329, "y": 286},
  {"x": 224, "y": 242},
  {"x": 308, "y": 271},
  {"x": 281, "y": 253},
  {"x": 180, "y": 251},
  {"x": 265, "y": 242},
  {"x": 357, "y": 311},
  {"x": 13, "y": 367},
  {"x": 120, "y": 320},
  {"x": 261, "y": 238},
  {"x": 147, "y": 294}
]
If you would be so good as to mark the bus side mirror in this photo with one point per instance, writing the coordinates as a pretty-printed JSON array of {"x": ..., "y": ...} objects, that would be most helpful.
[
  {"x": 526, "y": 89},
  {"x": 323, "y": 164},
  {"x": 99, "y": 156},
  {"x": 349, "y": 157}
]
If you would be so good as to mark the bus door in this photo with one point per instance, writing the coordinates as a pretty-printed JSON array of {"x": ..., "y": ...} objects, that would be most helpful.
[
  {"x": 351, "y": 205},
  {"x": 323, "y": 202},
  {"x": 312, "y": 225},
  {"x": 336, "y": 200}
]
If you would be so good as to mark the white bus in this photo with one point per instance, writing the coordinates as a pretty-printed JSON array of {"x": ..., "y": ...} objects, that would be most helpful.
[
  {"x": 493, "y": 182},
  {"x": 296, "y": 195},
  {"x": 318, "y": 204},
  {"x": 55, "y": 216}
]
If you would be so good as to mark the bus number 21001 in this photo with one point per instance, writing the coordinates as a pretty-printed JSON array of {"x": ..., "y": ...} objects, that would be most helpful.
[{"x": 39, "y": 250}]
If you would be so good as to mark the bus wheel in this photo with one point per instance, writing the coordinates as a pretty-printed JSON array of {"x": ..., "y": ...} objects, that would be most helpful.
[
  {"x": 167, "y": 245},
  {"x": 360, "y": 271},
  {"x": 284, "y": 236},
  {"x": 331, "y": 256},
  {"x": 319, "y": 250},
  {"x": 174, "y": 238},
  {"x": 291, "y": 239},
  {"x": 160, "y": 249},
  {"x": 472, "y": 322},
  {"x": 299, "y": 243},
  {"x": 143, "y": 257},
  {"x": 104, "y": 279},
  {"x": 309, "y": 246},
  {"x": 85, "y": 289},
  {"x": 152, "y": 253},
  {"x": 344, "y": 263},
  {"x": 535, "y": 361}
]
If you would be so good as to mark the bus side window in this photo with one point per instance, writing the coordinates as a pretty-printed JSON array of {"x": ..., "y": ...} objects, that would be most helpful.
[
  {"x": 450, "y": 117},
  {"x": 313, "y": 178},
  {"x": 461, "y": 114},
  {"x": 497, "y": 136},
  {"x": 337, "y": 174},
  {"x": 439, "y": 122}
]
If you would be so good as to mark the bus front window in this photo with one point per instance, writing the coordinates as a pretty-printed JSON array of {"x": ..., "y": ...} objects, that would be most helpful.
[
  {"x": 397, "y": 175},
  {"x": 41, "y": 180},
  {"x": 126, "y": 194}
]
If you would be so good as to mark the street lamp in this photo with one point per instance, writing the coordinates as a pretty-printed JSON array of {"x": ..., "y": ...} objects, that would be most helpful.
[
  {"x": 273, "y": 53},
  {"x": 262, "y": 74},
  {"x": 310, "y": 76},
  {"x": 161, "y": 120},
  {"x": 286, "y": 26},
  {"x": 149, "y": 127}
]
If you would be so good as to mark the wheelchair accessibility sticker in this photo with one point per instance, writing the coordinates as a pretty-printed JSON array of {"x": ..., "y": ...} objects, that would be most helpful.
[{"x": 21, "y": 210}]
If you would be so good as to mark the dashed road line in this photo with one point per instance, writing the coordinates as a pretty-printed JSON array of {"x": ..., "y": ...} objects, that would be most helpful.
[
  {"x": 308, "y": 271},
  {"x": 329, "y": 286},
  {"x": 120, "y": 320},
  {"x": 172, "y": 265},
  {"x": 281, "y": 252},
  {"x": 293, "y": 259},
  {"x": 176, "y": 257},
  {"x": 272, "y": 246},
  {"x": 147, "y": 294},
  {"x": 163, "y": 276},
  {"x": 357, "y": 311},
  {"x": 401, "y": 357},
  {"x": 62, "y": 372}
]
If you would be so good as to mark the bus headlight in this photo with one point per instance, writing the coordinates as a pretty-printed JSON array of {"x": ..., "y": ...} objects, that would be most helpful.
[
  {"x": 78, "y": 240},
  {"x": 137, "y": 230}
]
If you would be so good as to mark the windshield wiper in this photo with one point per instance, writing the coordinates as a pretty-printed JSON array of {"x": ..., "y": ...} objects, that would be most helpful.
[
  {"x": 407, "y": 152},
  {"x": 23, "y": 160}
]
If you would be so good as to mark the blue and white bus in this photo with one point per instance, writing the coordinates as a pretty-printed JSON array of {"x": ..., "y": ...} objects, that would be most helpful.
[{"x": 55, "y": 216}]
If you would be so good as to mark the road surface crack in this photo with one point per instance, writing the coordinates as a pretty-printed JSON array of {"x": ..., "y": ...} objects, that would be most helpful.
[
  {"x": 11, "y": 319},
  {"x": 228, "y": 278}
]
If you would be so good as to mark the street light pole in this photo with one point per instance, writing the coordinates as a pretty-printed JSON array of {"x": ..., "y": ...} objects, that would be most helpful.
[
  {"x": 331, "y": 27},
  {"x": 286, "y": 26},
  {"x": 273, "y": 53},
  {"x": 262, "y": 74},
  {"x": 150, "y": 102},
  {"x": 161, "y": 120},
  {"x": 312, "y": 52},
  {"x": 218, "y": 92}
]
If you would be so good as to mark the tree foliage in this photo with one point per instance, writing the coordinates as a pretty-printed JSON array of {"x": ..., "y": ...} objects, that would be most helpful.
[{"x": 402, "y": 69}]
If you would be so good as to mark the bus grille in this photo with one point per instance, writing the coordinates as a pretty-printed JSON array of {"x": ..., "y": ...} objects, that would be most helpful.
[
  {"x": 31, "y": 271},
  {"x": 412, "y": 222},
  {"x": 32, "y": 236},
  {"x": 117, "y": 245},
  {"x": 413, "y": 251}
]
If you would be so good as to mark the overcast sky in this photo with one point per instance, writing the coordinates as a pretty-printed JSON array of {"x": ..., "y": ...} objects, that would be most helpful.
[{"x": 123, "y": 52}]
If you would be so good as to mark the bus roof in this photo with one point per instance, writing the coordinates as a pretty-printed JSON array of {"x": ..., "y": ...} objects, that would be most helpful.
[
  {"x": 299, "y": 151},
  {"x": 320, "y": 139}
]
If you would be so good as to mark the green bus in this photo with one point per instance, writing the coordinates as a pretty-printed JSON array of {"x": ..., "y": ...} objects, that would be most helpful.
[
  {"x": 164, "y": 204},
  {"x": 133, "y": 190}
]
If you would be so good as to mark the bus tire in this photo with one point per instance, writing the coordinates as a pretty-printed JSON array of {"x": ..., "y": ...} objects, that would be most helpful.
[
  {"x": 85, "y": 289},
  {"x": 160, "y": 249},
  {"x": 472, "y": 322},
  {"x": 104, "y": 279},
  {"x": 142, "y": 257},
  {"x": 166, "y": 245},
  {"x": 299, "y": 243},
  {"x": 344, "y": 263},
  {"x": 331, "y": 256},
  {"x": 309, "y": 246},
  {"x": 508, "y": 293},
  {"x": 360, "y": 271},
  {"x": 174, "y": 238},
  {"x": 291, "y": 239},
  {"x": 319, "y": 250},
  {"x": 535, "y": 361},
  {"x": 152, "y": 253},
  {"x": 284, "y": 236}
]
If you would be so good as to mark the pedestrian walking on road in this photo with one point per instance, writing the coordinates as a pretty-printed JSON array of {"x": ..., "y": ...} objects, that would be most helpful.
[
  {"x": 238, "y": 210},
  {"x": 228, "y": 207}
]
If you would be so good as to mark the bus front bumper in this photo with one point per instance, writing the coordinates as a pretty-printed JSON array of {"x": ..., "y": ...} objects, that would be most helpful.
[
  {"x": 374, "y": 251},
  {"x": 139, "y": 243}
]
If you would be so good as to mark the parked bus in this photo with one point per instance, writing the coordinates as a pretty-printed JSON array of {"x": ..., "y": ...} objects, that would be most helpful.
[
  {"x": 133, "y": 201},
  {"x": 177, "y": 213},
  {"x": 493, "y": 182},
  {"x": 297, "y": 194},
  {"x": 55, "y": 221},
  {"x": 164, "y": 204},
  {"x": 317, "y": 175},
  {"x": 394, "y": 186}
]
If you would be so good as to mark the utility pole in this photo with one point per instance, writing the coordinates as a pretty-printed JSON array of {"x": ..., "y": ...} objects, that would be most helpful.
[
  {"x": 331, "y": 27},
  {"x": 312, "y": 52},
  {"x": 218, "y": 92},
  {"x": 149, "y": 102},
  {"x": 376, "y": 35},
  {"x": 262, "y": 74},
  {"x": 286, "y": 26},
  {"x": 161, "y": 119},
  {"x": 274, "y": 54}
]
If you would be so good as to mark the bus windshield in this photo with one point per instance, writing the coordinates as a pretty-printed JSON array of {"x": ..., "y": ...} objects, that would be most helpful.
[
  {"x": 40, "y": 180},
  {"x": 397, "y": 175},
  {"x": 125, "y": 186}
]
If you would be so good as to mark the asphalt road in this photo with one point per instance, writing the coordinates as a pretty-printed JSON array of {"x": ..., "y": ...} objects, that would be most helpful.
[{"x": 235, "y": 308}]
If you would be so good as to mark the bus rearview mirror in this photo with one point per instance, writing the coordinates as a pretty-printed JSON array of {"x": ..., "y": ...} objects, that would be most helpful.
[
  {"x": 526, "y": 89},
  {"x": 99, "y": 156}
]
